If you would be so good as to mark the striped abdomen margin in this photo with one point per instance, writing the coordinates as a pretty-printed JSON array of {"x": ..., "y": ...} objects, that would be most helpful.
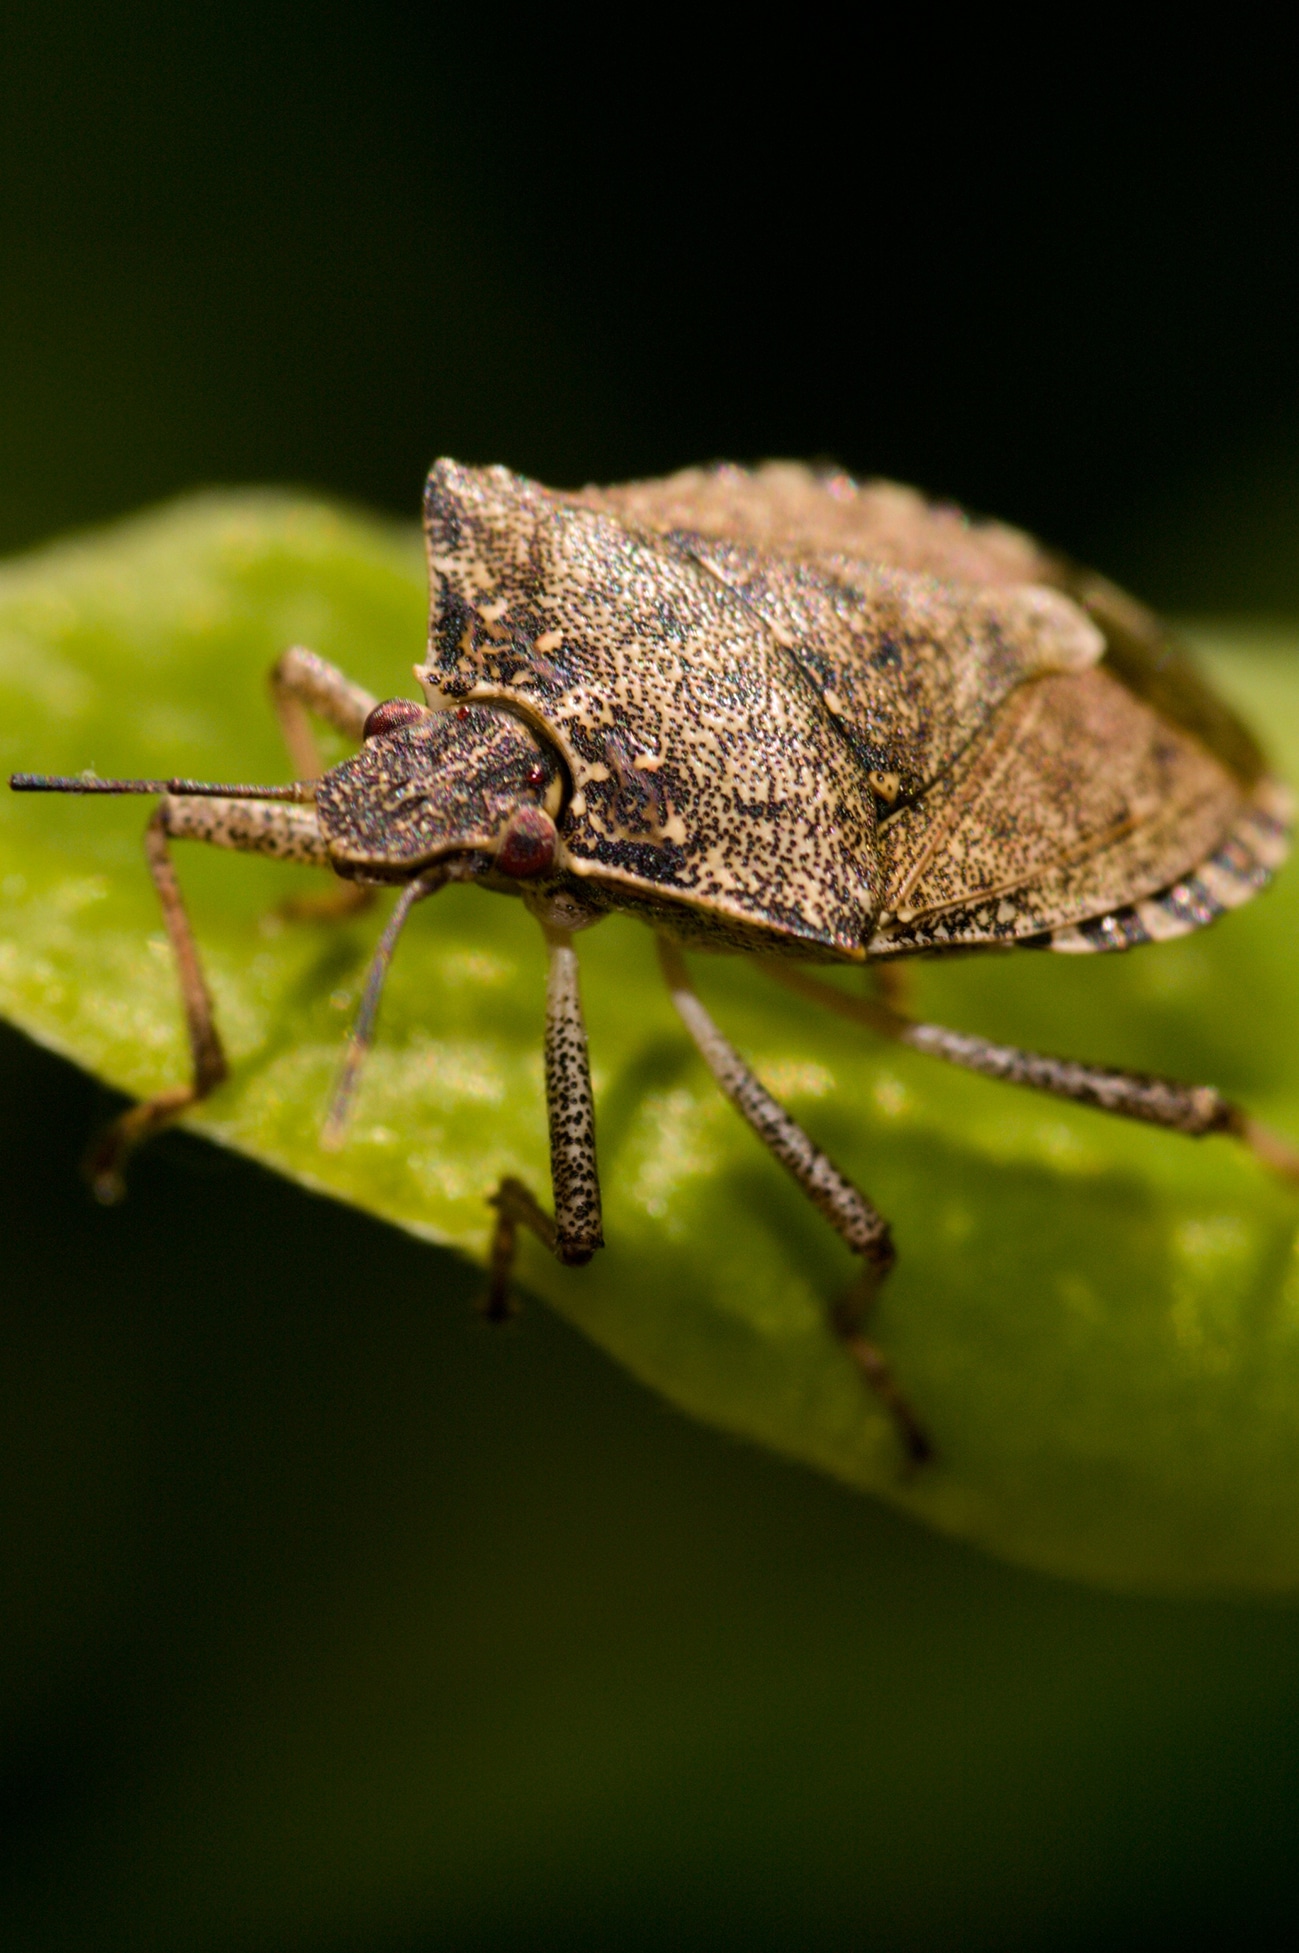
[{"x": 1244, "y": 863}]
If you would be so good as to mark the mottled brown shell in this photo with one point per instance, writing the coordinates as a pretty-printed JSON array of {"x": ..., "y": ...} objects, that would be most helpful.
[
  {"x": 841, "y": 719},
  {"x": 703, "y": 763}
]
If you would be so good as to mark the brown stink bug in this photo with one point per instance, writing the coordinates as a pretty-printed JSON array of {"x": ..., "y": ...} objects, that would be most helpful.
[{"x": 777, "y": 713}]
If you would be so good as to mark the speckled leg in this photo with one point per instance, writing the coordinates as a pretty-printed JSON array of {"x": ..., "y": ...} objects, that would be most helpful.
[
  {"x": 255, "y": 827},
  {"x": 575, "y": 1232},
  {"x": 854, "y": 1219},
  {"x": 271, "y": 827},
  {"x": 1193, "y": 1110},
  {"x": 300, "y": 681}
]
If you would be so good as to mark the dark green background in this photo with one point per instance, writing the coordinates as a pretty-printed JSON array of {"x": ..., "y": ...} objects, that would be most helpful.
[{"x": 330, "y": 1618}]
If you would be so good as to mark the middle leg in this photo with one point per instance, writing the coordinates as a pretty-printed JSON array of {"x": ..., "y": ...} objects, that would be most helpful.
[{"x": 857, "y": 1222}]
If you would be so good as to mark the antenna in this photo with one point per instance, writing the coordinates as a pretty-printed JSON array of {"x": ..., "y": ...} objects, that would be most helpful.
[
  {"x": 299, "y": 790},
  {"x": 340, "y": 1106}
]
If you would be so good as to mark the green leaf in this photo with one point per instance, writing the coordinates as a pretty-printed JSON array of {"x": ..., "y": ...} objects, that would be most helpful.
[{"x": 1098, "y": 1322}]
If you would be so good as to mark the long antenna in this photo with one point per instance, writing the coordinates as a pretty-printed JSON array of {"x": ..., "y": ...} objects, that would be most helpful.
[
  {"x": 300, "y": 790},
  {"x": 367, "y": 1017}
]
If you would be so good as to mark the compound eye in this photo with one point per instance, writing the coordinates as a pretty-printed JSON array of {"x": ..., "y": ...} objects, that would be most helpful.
[
  {"x": 389, "y": 714},
  {"x": 528, "y": 844}
]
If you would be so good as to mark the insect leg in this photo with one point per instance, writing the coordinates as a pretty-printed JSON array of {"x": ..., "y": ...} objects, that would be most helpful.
[
  {"x": 892, "y": 985},
  {"x": 276, "y": 828},
  {"x": 575, "y": 1232},
  {"x": 854, "y": 1219},
  {"x": 1195, "y": 1110},
  {"x": 300, "y": 681},
  {"x": 256, "y": 827}
]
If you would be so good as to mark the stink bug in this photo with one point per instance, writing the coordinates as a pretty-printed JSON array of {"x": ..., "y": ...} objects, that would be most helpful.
[{"x": 776, "y": 713}]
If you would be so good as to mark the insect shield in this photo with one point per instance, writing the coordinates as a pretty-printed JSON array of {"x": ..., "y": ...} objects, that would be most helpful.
[{"x": 777, "y": 713}]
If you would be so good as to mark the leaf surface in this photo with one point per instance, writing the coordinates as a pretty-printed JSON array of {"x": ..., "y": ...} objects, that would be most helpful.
[{"x": 1098, "y": 1322}]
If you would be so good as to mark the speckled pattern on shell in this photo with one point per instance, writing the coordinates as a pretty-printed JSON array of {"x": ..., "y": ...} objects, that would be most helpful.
[
  {"x": 842, "y": 718},
  {"x": 702, "y": 758},
  {"x": 911, "y": 667},
  {"x": 803, "y": 513},
  {"x": 1074, "y": 789}
]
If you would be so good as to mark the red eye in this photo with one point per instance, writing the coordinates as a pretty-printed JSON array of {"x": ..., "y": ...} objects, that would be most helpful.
[
  {"x": 536, "y": 775},
  {"x": 528, "y": 844},
  {"x": 389, "y": 714},
  {"x": 462, "y": 711}
]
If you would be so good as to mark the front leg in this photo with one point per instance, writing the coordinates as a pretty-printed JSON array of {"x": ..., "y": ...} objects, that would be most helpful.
[
  {"x": 286, "y": 832},
  {"x": 575, "y": 1232},
  {"x": 301, "y": 682}
]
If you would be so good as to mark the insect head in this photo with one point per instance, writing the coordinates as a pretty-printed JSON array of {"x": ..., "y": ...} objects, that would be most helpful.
[{"x": 426, "y": 786}]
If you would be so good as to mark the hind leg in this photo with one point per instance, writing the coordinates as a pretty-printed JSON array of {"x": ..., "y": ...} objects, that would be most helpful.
[{"x": 1193, "y": 1110}]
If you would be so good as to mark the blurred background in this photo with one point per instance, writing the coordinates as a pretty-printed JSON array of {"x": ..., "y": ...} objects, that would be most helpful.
[{"x": 331, "y": 1620}]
